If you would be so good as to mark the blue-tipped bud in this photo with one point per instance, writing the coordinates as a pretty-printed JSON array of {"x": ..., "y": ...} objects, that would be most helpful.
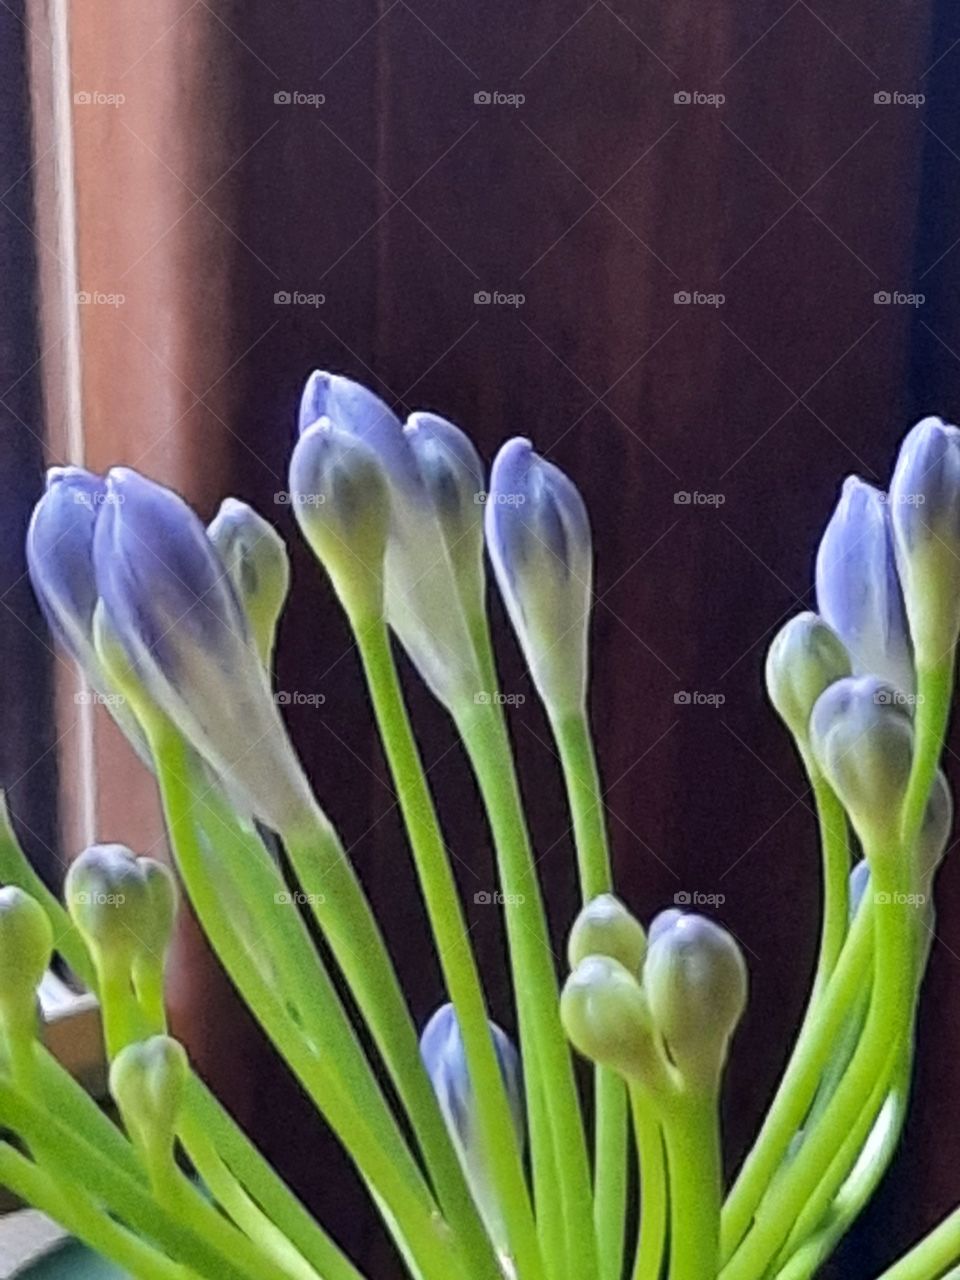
[
  {"x": 696, "y": 982},
  {"x": 26, "y": 946},
  {"x": 445, "y": 1059},
  {"x": 607, "y": 1018},
  {"x": 148, "y": 1080},
  {"x": 255, "y": 556},
  {"x": 806, "y": 657},
  {"x": 606, "y": 928},
  {"x": 538, "y": 536},
  {"x": 662, "y": 922},
  {"x": 858, "y": 591},
  {"x": 123, "y": 905},
  {"x": 169, "y": 604},
  {"x": 342, "y": 503},
  {"x": 925, "y": 509},
  {"x": 423, "y": 596},
  {"x": 862, "y": 738},
  {"x": 452, "y": 474}
]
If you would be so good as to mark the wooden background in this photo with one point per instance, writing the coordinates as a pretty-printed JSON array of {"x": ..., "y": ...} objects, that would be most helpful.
[{"x": 202, "y": 195}]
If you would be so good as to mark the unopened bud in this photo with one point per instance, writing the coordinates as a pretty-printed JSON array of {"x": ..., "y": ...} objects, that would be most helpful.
[{"x": 606, "y": 928}]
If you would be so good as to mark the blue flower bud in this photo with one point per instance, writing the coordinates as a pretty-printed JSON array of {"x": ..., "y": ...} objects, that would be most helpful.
[
  {"x": 422, "y": 594},
  {"x": 925, "y": 508},
  {"x": 806, "y": 657},
  {"x": 538, "y": 536},
  {"x": 341, "y": 500},
  {"x": 862, "y": 738},
  {"x": 445, "y": 1059},
  {"x": 858, "y": 591},
  {"x": 696, "y": 982},
  {"x": 168, "y": 603},
  {"x": 123, "y": 905},
  {"x": 255, "y": 556}
]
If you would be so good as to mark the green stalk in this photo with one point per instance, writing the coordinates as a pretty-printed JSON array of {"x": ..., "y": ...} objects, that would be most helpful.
[
  {"x": 501, "y": 1151},
  {"x": 934, "y": 693},
  {"x": 401, "y": 1188},
  {"x": 887, "y": 1021},
  {"x": 692, "y": 1134},
  {"x": 835, "y": 855},
  {"x": 654, "y": 1207},
  {"x": 579, "y": 765},
  {"x": 534, "y": 977},
  {"x": 932, "y": 1256},
  {"x": 82, "y": 1218},
  {"x": 551, "y": 1228}
]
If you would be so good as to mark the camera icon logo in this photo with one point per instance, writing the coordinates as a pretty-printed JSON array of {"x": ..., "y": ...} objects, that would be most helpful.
[
  {"x": 681, "y": 898},
  {"x": 482, "y": 98},
  {"x": 882, "y": 98},
  {"x": 682, "y": 98},
  {"x": 282, "y": 298},
  {"x": 882, "y": 899},
  {"x": 482, "y": 298},
  {"x": 682, "y": 698},
  {"x": 83, "y": 298},
  {"x": 483, "y": 898},
  {"x": 283, "y": 97},
  {"x": 681, "y": 498},
  {"x": 683, "y": 298},
  {"x": 83, "y": 99},
  {"x": 882, "y": 298},
  {"x": 482, "y": 698},
  {"x": 282, "y": 698}
]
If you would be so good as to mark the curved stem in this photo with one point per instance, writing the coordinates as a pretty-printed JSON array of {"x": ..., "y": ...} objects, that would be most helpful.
[
  {"x": 648, "y": 1263},
  {"x": 934, "y": 692},
  {"x": 932, "y": 1256},
  {"x": 692, "y": 1133},
  {"x": 835, "y": 855}
]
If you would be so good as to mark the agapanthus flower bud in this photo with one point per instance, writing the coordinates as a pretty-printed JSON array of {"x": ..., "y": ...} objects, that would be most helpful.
[
  {"x": 26, "y": 946},
  {"x": 148, "y": 1080},
  {"x": 422, "y": 595},
  {"x": 452, "y": 474},
  {"x": 538, "y": 536},
  {"x": 605, "y": 927},
  {"x": 255, "y": 556},
  {"x": 925, "y": 509},
  {"x": 858, "y": 591},
  {"x": 169, "y": 604},
  {"x": 805, "y": 658},
  {"x": 123, "y": 905},
  {"x": 862, "y": 738},
  {"x": 445, "y": 1059},
  {"x": 661, "y": 922},
  {"x": 606, "y": 1017},
  {"x": 696, "y": 982},
  {"x": 341, "y": 500}
]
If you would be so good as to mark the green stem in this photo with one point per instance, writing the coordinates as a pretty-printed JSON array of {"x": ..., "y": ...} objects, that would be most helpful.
[
  {"x": 692, "y": 1133},
  {"x": 534, "y": 976},
  {"x": 70, "y": 1206},
  {"x": 931, "y": 1257},
  {"x": 551, "y": 1227},
  {"x": 934, "y": 692},
  {"x": 652, "y": 1236},
  {"x": 501, "y": 1150},
  {"x": 835, "y": 855},
  {"x": 821, "y": 1030},
  {"x": 577, "y": 758},
  {"x": 887, "y": 1021}
]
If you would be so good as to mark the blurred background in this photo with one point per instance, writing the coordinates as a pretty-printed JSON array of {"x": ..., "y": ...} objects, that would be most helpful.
[{"x": 707, "y": 257}]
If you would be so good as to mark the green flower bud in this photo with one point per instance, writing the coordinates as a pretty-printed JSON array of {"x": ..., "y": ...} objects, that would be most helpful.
[
  {"x": 255, "y": 557},
  {"x": 605, "y": 1014},
  {"x": 936, "y": 830},
  {"x": 606, "y": 928},
  {"x": 26, "y": 945},
  {"x": 147, "y": 1081},
  {"x": 862, "y": 738},
  {"x": 123, "y": 905},
  {"x": 695, "y": 978},
  {"x": 805, "y": 658},
  {"x": 341, "y": 499}
]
